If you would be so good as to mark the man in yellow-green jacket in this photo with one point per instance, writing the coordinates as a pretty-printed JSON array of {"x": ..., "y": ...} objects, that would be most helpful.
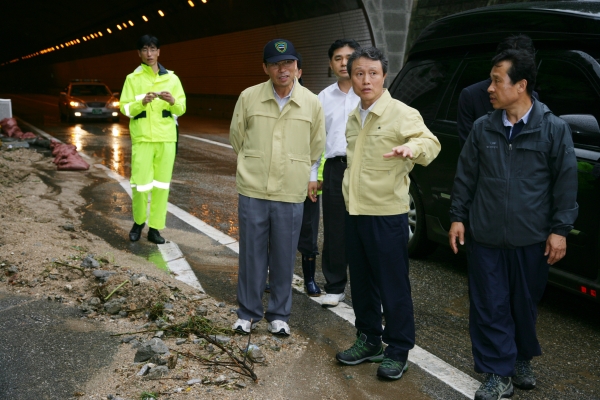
[
  {"x": 152, "y": 98},
  {"x": 278, "y": 132},
  {"x": 386, "y": 138}
]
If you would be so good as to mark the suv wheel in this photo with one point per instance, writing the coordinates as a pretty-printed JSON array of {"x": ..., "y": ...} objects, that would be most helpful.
[{"x": 418, "y": 243}]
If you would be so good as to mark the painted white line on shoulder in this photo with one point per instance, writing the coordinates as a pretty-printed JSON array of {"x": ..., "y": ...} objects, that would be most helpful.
[
  {"x": 207, "y": 141},
  {"x": 178, "y": 265}
]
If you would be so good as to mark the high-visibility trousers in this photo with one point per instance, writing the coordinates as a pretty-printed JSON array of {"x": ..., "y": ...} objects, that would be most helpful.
[{"x": 151, "y": 171}]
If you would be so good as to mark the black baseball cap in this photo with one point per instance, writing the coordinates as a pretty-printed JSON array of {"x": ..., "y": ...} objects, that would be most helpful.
[{"x": 279, "y": 49}]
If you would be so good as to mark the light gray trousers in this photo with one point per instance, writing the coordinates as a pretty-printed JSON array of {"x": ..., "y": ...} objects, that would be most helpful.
[{"x": 269, "y": 232}]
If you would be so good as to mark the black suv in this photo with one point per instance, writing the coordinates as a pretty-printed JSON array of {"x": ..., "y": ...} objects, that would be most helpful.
[{"x": 455, "y": 52}]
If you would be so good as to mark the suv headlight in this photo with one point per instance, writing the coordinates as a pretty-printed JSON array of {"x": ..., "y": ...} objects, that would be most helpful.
[{"x": 112, "y": 104}]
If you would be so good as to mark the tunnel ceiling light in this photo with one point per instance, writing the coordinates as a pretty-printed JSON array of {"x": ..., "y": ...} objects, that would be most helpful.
[
  {"x": 100, "y": 33},
  {"x": 162, "y": 14},
  {"x": 130, "y": 22},
  {"x": 191, "y": 3},
  {"x": 119, "y": 26},
  {"x": 108, "y": 30},
  {"x": 84, "y": 39},
  {"x": 124, "y": 25},
  {"x": 62, "y": 46},
  {"x": 205, "y": 1},
  {"x": 78, "y": 41},
  {"x": 145, "y": 18}
]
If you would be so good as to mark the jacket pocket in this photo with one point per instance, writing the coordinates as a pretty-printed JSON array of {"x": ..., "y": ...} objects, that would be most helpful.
[
  {"x": 251, "y": 172},
  {"x": 298, "y": 173},
  {"x": 296, "y": 132},
  {"x": 531, "y": 159},
  {"x": 377, "y": 183}
]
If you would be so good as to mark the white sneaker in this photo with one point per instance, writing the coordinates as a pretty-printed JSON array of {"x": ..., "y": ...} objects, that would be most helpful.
[
  {"x": 243, "y": 326},
  {"x": 332, "y": 300},
  {"x": 279, "y": 327}
]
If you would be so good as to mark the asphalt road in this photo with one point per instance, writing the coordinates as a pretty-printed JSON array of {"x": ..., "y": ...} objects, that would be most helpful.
[{"x": 204, "y": 186}]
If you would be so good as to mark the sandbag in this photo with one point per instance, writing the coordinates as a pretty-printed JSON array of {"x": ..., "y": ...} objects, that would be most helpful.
[
  {"x": 28, "y": 135},
  {"x": 63, "y": 148},
  {"x": 72, "y": 162}
]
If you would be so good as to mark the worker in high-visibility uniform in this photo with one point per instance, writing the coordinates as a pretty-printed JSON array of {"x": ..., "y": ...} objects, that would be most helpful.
[{"x": 152, "y": 98}]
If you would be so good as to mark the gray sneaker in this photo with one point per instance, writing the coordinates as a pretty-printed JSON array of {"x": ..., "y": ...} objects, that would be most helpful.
[
  {"x": 524, "y": 377},
  {"x": 495, "y": 387}
]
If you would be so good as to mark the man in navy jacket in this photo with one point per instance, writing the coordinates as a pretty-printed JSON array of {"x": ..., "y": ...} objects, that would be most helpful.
[{"x": 515, "y": 189}]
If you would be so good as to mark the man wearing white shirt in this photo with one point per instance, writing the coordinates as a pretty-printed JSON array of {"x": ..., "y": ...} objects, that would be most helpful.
[{"x": 338, "y": 101}]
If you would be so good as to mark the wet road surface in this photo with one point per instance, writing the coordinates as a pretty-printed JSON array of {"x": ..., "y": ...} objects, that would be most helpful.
[{"x": 204, "y": 186}]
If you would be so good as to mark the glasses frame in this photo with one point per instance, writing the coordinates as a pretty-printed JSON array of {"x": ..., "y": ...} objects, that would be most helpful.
[
  {"x": 148, "y": 50},
  {"x": 281, "y": 64}
]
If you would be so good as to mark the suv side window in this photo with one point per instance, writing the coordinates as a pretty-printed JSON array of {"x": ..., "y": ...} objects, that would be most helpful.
[
  {"x": 474, "y": 71},
  {"x": 421, "y": 86},
  {"x": 565, "y": 89}
]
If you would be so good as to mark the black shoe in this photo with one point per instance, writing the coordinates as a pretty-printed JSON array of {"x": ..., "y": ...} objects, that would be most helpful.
[
  {"x": 136, "y": 232},
  {"x": 154, "y": 236},
  {"x": 308, "y": 270},
  {"x": 361, "y": 351},
  {"x": 495, "y": 387},
  {"x": 524, "y": 377},
  {"x": 391, "y": 369}
]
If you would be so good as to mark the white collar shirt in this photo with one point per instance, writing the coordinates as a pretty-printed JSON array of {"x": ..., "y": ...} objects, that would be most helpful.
[
  {"x": 337, "y": 106},
  {"x": 283, "y": 101},
  {"x": 364, "y": 113}
]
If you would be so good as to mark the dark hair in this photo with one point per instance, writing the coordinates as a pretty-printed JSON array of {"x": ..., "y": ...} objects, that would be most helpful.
[
  {"x": 517, "y": 42},
  {"x": 338, "y": 44},
  {"x": 372, "y": 53},
  {"x": 299, "y": 64},
  {"x": 147, "y": 40},
  {"x": 523, "y": 66}
]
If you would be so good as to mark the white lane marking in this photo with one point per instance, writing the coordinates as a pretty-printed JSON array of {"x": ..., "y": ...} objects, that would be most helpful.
[
  {"x": 207, "y": 141},
  {"x": 430, "y": 363}
]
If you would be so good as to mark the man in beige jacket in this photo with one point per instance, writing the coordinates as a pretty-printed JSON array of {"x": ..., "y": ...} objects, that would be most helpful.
[
  {"x": 278, "y": 132},
  {"x": 386, "y": 138}
]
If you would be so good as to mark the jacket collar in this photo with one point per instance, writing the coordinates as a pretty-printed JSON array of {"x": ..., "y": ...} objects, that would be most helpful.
[
  {"x": 146, "y": 68},
  {"x": 266, "y": 92},
  {"x": 380, "y": 106},
  {"x": 536, "y": 117}
]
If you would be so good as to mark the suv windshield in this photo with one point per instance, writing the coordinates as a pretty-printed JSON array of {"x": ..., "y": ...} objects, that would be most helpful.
[{"x": 89, "y": 90}]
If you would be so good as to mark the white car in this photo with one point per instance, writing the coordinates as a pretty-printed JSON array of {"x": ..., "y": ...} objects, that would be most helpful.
[{"x": 88, "y": 99}]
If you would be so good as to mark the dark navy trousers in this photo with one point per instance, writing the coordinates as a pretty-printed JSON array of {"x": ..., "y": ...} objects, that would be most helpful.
[
  {"x": 309, "y": 232},
  {"x": 505, "y": 287},
  {"x": 378, "y": 259}
]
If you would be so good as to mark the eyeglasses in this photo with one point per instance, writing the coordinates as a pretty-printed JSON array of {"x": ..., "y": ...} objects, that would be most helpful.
[
  {"x": 281, "y": 64},
  {"x": 149, "y": 50}
]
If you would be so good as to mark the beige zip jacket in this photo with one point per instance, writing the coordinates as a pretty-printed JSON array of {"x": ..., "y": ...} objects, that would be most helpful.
[
  {"x": 374, "y": 185},
  {"x": 276, "y": 149}
]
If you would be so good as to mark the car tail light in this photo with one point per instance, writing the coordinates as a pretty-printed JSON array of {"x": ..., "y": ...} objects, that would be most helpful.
[{"x": 586, "y": 290}]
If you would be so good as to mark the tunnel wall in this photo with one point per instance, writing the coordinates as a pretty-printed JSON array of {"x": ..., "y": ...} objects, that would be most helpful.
[{"x": 214, "y": 70}]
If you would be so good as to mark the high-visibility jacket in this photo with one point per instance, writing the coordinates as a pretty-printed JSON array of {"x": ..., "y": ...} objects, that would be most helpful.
[{"x": 156, "y": 121}]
